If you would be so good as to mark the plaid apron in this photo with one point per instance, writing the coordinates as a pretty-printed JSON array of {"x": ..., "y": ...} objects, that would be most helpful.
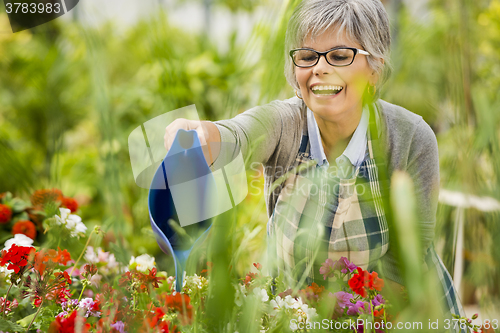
[{"x": 319, "y": 215}]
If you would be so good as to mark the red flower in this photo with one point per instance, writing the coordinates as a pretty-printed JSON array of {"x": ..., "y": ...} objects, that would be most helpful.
[
  {"x": 63, "y": 276},
  {"x": 157, "y": 317},
  {"x": 9, "y": 306},
  {"x": 69, "y": 203},
  {"x": 25, "y": 227},
  {"x": 250, "y": 277},
  {"x": 257, "y": 265},
  {"x": 16, "y": 257},
  {"x": 67, "y": 325},
  {"x": 48, "y": 288},
  {"x": 139, "y": 281},
  {"x": 209, "y": 268},
  {"x": 41, "y": 197},
  {"x": 151, "y": 278},
  {"x": 5, "y": 214},
  {"x": 177, "y": 301},
  {"x": 363, "y": 280},
  {"x": 359, "y": 281},
  {"x": 378, "y": 313},
  {"x": 89, "y": 270},
  {"x": 38, "y": 301},
  {"x": 180, "y": 303}
]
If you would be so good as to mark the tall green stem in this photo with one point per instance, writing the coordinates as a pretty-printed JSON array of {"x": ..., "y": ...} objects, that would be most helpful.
[
  {"x": 83, "y": 251},
  {"x": 385, "y": 320},
  {"x": 373, "y": 317},
  {"x": 83, "y": 289},
  {"x": 36, "y": 314},
  {"x": 5, "y": 300}
]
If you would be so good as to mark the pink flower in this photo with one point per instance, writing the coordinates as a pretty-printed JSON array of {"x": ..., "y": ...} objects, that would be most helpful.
[
  {"x": 345, "y": 265},
  {"x": 10, "y": 305},
  {"x": 119, "y": 326},
  {"x": 378, "y": 300},
  {"x": 329, "y": 267},
  {"x": 359, "y": 308},
  {"x": 343, "y": 298}
]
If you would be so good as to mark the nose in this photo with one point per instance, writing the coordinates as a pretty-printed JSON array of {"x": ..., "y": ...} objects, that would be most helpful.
[{"x": 322, "y": 67}]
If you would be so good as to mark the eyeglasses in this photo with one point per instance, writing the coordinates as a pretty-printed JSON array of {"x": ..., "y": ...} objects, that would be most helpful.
[{"x": 338, "y": 56}]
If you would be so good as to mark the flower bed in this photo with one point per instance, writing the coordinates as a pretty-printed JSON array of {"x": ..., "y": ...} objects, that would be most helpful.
[{"x": 52, "y": 290}]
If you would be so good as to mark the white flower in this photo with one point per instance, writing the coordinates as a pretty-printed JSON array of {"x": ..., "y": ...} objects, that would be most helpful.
[
  {"x": 238, "y": 299},
  {"x": 292, "y": 303},
  {"x": 276, "y": 305},
  {"x": 101, "y": 257},
  {"x": 72, "y": 222},
  {"x": 19, "y": 240},
  {"x": 240, "y": 294},
  {"x": 142, "y": 263},
  {"x": 95, "y": 280},
  {"x": 6, "y": 272},
  {"x": 86, "y": 303},
  {"x": 309, "y": 312},
  {"x": 90, "y": 255},
  {"x": 262, "y": 294},
  {"x": 112, "y": 263},
  {"x": 195, "y": 282}
]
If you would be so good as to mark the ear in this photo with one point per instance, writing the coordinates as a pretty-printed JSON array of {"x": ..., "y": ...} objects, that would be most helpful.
[{"x": 374, "y": 76}]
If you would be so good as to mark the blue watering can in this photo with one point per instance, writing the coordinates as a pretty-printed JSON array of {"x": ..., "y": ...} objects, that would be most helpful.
[
  {"x": 185, "y": 195},
  {"x": 183, "y": 180}
]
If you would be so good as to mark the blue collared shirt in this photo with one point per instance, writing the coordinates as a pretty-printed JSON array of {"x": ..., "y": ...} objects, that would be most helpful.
[{"x": 355, "y": 152}]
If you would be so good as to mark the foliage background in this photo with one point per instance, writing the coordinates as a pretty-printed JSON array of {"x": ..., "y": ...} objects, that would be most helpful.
[{"x": 71, "y": 94}]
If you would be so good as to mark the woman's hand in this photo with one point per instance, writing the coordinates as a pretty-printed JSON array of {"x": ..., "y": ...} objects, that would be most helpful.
[{"x": 208, "y": 134}]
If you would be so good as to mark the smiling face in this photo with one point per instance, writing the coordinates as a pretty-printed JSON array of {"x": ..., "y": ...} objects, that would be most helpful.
[{"x": 319, "y": 83}]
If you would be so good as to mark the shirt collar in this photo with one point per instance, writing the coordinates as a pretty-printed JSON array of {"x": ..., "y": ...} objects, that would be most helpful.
[{"x": 356, "y": 148}]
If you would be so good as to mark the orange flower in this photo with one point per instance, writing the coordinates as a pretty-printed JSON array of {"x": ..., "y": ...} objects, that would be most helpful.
[
  {"x": 5, "y": 214},
  {"x": 180, "y": 303},
  {"x": 378, "y": 313},
  {"x": 41, "y": 197},
  {"x": 375, "y": 282},
  {"x": 70, "y": 203},
  {"x": 25, "y": 227},
  {"x": 317, "y": 290}
]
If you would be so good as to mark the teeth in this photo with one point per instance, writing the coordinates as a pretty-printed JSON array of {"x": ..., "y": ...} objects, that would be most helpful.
[{"x": 327, "y": 88}]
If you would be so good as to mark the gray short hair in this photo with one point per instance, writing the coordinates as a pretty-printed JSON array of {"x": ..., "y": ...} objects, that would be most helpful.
[{"x": 363, "y": 21}]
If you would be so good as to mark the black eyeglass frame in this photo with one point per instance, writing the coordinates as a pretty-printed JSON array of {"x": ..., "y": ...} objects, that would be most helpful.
[{"x": 355, "y": 50}]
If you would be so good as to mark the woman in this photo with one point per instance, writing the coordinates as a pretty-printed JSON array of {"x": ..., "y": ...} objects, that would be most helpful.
[{"x": 334, "y": 139}]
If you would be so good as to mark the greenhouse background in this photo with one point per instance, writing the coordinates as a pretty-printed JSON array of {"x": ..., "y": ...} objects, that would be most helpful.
[{"x": 74, "y": 89}]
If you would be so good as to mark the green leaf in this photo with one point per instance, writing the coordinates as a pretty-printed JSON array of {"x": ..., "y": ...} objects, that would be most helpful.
[
  {"x": 8, "y": 326},
  {"x": 26, "y": 320},
  {"x": 18, "y": 205},
  {"x": 8, "y": 197},
  {"x": 121, "y": 254},
  {"x": 21, "y": 217}
]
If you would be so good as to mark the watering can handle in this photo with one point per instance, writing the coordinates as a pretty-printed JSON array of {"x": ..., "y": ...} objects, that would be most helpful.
[{"x": 208, "y": 135}]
